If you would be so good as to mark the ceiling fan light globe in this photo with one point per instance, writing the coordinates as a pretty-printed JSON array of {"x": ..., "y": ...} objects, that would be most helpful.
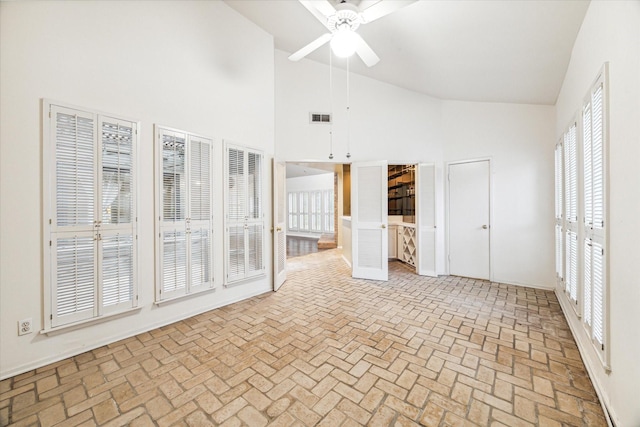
[{"x": 343, "y": 43}]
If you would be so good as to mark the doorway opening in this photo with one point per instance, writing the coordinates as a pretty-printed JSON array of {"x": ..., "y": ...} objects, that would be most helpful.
[
  {"x": 311, "y": 207},
  {"x": 402, "y": 214}
]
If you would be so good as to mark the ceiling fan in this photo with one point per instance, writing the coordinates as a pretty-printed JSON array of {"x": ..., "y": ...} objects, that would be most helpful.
[{"x": 342, "y": 21}]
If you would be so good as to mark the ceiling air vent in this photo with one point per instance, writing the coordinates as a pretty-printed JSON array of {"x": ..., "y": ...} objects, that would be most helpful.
[{"x": 319, "y": 118}]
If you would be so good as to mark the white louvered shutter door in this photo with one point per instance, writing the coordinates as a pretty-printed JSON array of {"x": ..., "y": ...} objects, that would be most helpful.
[
  {"x": 571, "y": 210},
  {"x": 173, "y": 205},
  {"x": 571, "y": 281},
  {"x": 598, "y": 284},
  {"x": 588, "y": 281},
  {"x": 255, "y": 222},
  {"x": 74, "y": 257},
  {"x": 571, "y": 174},
  {"x": 597, "y": 152},
  {"x": 245, "y": 219},
  {"x": 200, "y": 246},
  {"x": 116, "y": 230},
  {"x": 594, "y": 268},
  {"x": 236, "y": 214},
  {"x": 559, "y": 211}
]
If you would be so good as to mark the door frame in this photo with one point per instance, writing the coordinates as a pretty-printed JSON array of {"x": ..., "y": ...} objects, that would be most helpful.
[
  {"x": 447, "y": 204},
  {"x": 278, "y": 228}
]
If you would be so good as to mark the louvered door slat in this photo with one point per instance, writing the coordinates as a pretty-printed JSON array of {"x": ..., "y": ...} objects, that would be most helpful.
[
  {"x": 200, "y": 258},
  {"x": 255, "y": 249},
  {"x": 74, "y": 284},
  {"x": 236, "y": 185},
  {"x": 598, "y": 159},
  {"x": 117, "y": 173},
  {"x": 174, "y": 184},
  {"x": 75, "y": 168},
  {"x": 174, "y": 262},
  {"x": 588, "y": 289},
  {"x": 117, "y": 270},
  {"x": 598, "y": 293}
]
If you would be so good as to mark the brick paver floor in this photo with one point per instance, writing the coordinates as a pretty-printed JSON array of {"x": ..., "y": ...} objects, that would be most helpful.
[{"x": 333, "y": 351}]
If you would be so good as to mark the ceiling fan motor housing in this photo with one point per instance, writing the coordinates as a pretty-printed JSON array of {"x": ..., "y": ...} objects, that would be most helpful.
[{"x": 347, "y": 16}]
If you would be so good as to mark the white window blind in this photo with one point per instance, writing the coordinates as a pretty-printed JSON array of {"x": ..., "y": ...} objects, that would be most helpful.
[
  {"x": 184, "y": 223},
  {"x": 244, "y": 213},
  {"x": 89, "y": 161}
]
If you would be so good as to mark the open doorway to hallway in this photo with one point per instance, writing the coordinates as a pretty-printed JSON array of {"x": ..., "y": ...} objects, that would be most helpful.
[{"x": 311, "y": 206}]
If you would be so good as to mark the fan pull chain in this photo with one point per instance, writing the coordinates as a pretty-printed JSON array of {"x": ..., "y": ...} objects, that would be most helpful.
[
  {"x": 330, "y": 105},
  {"x": 348, "y": 114}
]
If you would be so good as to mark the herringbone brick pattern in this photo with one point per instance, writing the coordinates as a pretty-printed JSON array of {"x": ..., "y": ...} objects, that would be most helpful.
[{"x": 328, "y": 350}]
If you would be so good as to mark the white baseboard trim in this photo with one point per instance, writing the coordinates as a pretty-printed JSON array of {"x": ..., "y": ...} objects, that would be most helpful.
[
  {"x": 525, "y": 285},
  {"x": 587, "y": 353}
]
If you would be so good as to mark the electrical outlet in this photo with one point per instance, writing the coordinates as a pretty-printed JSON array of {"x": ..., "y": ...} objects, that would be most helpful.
[{"x": 25, "y": 326}]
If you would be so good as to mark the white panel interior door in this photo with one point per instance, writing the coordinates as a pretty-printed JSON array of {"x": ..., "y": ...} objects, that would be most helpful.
[
  {"x": 469, "y": 219},
  {"x": 369, "y": 220},
  {"x": 426, "y": 219},
  {"x": 279, "y": 223}
]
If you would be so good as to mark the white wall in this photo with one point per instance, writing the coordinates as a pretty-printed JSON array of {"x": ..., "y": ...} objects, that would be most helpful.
[
  {"x": 405, "y": 127},
  {"x": 386, "y": 122},
  {"x": 519, "y": 140},
  {"x": 323, "y": 181},
  {"x": 197, "y": 66},
  {"x": 611, "y": 32}
]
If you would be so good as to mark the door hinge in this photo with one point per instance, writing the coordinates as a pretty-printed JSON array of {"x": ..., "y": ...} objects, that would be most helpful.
[
  {"x": 51, "y": 317},
  {"x": 49, "y": 242},
  {"x": 49, "y": 221}
]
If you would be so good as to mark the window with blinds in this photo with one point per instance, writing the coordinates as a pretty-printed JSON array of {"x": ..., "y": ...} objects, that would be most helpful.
[
  {"x": 90, "y": 214},
  {"x": 184, "y": 167},
  {"x": 244, "y": 217},
  {"x": 580, "y": 214},
  {"x": 311, "y": 211},
  {"x": 594, "y": 143}
]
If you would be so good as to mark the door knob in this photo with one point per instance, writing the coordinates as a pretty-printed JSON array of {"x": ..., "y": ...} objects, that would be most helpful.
[
  {"x": 279, "y": 229},
  {"x": 384, "y": 226},
  {"x": 484, "y": 227}
]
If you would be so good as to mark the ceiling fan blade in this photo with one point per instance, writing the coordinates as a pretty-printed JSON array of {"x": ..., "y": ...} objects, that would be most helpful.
[
  {"x": 383, "y": 8},
  {"x": 365, "y": 52},
  {"x": 321, "y": 9},
  {"x": 297, "y": 56}
]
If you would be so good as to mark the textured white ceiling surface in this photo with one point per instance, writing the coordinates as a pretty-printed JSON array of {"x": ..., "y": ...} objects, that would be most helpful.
[{"x": 514, "y": 51}]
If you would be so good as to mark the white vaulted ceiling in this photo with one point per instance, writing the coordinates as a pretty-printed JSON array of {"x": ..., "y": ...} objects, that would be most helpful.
[{"x": 514, "y": 51}]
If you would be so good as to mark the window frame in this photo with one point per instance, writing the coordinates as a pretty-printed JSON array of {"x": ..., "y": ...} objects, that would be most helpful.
[
  {"x": 52, "y": 233},
  {"x": 597, "y": 236},
  {"x": 185, "y": 223},
  {"x": 249, "y": 223}
]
